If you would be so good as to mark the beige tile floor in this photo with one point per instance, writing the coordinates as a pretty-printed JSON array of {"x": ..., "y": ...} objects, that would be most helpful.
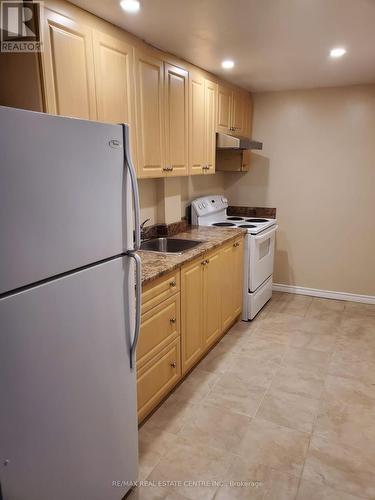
[{"x": 282, "y": 408}]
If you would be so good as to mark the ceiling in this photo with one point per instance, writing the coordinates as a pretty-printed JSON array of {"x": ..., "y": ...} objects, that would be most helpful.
[{"x": 276, "y": 44}]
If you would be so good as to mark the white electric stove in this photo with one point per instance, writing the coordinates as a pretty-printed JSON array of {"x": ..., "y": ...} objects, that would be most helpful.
[{"x": 258, "y": 252}]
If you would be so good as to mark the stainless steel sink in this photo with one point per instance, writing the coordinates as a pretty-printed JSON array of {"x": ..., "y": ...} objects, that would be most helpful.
[{"x": 169, "y": 245}]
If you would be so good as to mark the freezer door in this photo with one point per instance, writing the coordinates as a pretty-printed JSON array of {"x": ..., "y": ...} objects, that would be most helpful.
[
  {"x": 64, "y": 199},
  {"x": 68, "y": 421}
]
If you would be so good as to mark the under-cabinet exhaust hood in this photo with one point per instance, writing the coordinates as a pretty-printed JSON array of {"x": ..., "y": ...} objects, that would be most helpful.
[{"x": 226, "y": 141}]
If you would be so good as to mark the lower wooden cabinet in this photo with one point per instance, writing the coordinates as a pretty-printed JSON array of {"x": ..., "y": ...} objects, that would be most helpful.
[
  {"x": 159, "y": 326},
  {"x": 156, "y": 378},
  {"x": 183, "y": 314},
  {"x": 232, "y": 281},
  {"x": 238, "y": 256},
  {"x": 211, "y": 298},
  {"x": 192, "y": 313}
]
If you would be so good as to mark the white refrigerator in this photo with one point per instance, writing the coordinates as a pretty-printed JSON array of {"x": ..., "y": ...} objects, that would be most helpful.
[{"x": 70, "y": 284}]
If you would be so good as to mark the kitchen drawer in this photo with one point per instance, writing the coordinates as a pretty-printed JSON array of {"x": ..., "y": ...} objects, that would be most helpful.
[
  {"x": 159, "y": 290},
  {"x": 159, "y": 326},
  {"x": 156, "y": 378}
]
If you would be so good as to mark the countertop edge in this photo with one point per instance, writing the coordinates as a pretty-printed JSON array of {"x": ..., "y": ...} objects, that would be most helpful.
[{"x": 187, "y": 256}]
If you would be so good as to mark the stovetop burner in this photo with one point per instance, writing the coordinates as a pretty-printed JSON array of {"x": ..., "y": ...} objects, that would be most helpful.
[
  {"x": 248, "y": 226},
  {"x": 235, "y": 218},
  {"x": 225, "y": 224},
  {"x": 256, "y": 220}
]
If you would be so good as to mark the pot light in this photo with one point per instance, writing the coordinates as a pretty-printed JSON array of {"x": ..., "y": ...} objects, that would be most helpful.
[
  {"x": 130, "y": 5},
  {"x": 228, "y": 64},
  {"x": 337, "y": 52}
]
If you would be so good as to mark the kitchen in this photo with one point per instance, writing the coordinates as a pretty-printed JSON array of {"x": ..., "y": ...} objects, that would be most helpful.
[{"x": 248, "y": 355}]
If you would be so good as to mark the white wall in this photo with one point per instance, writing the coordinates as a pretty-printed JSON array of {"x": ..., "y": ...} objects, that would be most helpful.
[{"x": 318, "y": 169}]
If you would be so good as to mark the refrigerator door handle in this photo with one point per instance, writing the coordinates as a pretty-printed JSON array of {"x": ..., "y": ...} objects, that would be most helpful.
[
  {"x": 133, "y": 177},
  {"x": 138, "y": 290}
]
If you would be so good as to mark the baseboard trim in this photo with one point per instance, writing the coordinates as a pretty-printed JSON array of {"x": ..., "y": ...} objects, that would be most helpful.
[{"x": 326, "y": 294}]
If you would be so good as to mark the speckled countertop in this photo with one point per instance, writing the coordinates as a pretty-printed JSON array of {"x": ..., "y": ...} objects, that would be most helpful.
[{"x": 157, "y": 264}]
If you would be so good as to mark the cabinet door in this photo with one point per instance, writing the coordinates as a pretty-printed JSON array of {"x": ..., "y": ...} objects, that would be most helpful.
[
  {"x": 238, "y": 112},
  {"x": 68, "y": 67},
  {"x": 159, "y": 327},
  {"x": 176, "y": 83},
  {"x": 149, "y": 114},
  {"x": 226, "y": 288},
  {"x": 114, "y": 61},
  {"x": 212, "y": 298},
  {"x": 210, "y": 125},
  {"x": 224, "y": 109},
  {"x": 157, "y": 377},
  {"x": 197, "y": 124},
  {"x": 238, "y": 270},
  {"x": 248, "y": 118},
  {"x": 191, "y": 313}
]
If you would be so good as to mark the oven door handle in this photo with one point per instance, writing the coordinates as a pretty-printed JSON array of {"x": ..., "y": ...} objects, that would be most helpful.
[{"x": 263, "y": 236}]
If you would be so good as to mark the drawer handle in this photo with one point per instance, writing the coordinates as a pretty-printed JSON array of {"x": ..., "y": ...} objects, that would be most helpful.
[
  {"x": 204, "y": 262},
  {"x": 236, "y": 244},
  {"x": 172, "y": 320},
  {"x": 173, "y": 364},
  {"x": 172, "y": 283}
]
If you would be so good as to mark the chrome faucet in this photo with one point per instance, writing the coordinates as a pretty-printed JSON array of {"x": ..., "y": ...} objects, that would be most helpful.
[{"x": 142, "y": 226}]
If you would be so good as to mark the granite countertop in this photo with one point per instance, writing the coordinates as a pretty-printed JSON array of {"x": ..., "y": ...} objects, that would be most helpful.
[{"x": 155, "y": 265}]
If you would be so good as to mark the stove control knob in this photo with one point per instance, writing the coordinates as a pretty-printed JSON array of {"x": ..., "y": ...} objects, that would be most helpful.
[
  {"x": 204, "y": 205},
  {"x": 200, "y": 205}
]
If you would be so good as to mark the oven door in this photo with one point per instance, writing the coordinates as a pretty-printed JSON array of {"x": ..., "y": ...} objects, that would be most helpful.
[{"x": 262, "y": 249}]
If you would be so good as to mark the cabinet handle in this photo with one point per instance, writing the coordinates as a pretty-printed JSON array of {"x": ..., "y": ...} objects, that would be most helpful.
[
  {"x": 172, "y": 283},
  {"x": 173, "y": 364},
  {"x": 172, "y": 320},
  {"x": 207, "y": 261},
  {"x": 236, "y": 244},
  {"x": 204, "y": 262}
]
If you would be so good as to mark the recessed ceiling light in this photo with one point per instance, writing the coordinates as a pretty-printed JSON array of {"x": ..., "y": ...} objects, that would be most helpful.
[
  {"x": 130, "y": 5},
  {"x": 337, "y": 52},
  {"x": 228, "y": 64}
]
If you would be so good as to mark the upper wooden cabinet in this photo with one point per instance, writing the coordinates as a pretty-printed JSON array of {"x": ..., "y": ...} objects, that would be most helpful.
[
  {"x": 114, "y": 85},
  {"x": 234, "y": 111},
  {"x": 197, "y": 150},
  {"x": 149, "y": 91},
  {"x": 224, "y": 114},
  {"x": 238, "y": 112},
  {"x": 202, "y": 124},
  {"x": 161, "y": 116},
  {"x": 92, "y": 70},
  {"x": 248, "y": 115},
  {"x": 210, "y": 92},
  {"x": 176, "y": 83},
  {"x": 68, "y": 67}
]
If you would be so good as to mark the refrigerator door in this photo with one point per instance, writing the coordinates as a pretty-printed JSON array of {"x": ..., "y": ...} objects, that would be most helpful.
[
  {"x": 65, "y": 195},
  {"x": 68, "y": 420}
]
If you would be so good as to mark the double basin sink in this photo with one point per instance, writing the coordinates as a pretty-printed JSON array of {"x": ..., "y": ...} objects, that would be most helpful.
[{"x": 175, "y": 246}]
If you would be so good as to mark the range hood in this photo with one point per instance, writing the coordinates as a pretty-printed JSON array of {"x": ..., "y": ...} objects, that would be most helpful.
[{"x": 226, "y": 141}]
